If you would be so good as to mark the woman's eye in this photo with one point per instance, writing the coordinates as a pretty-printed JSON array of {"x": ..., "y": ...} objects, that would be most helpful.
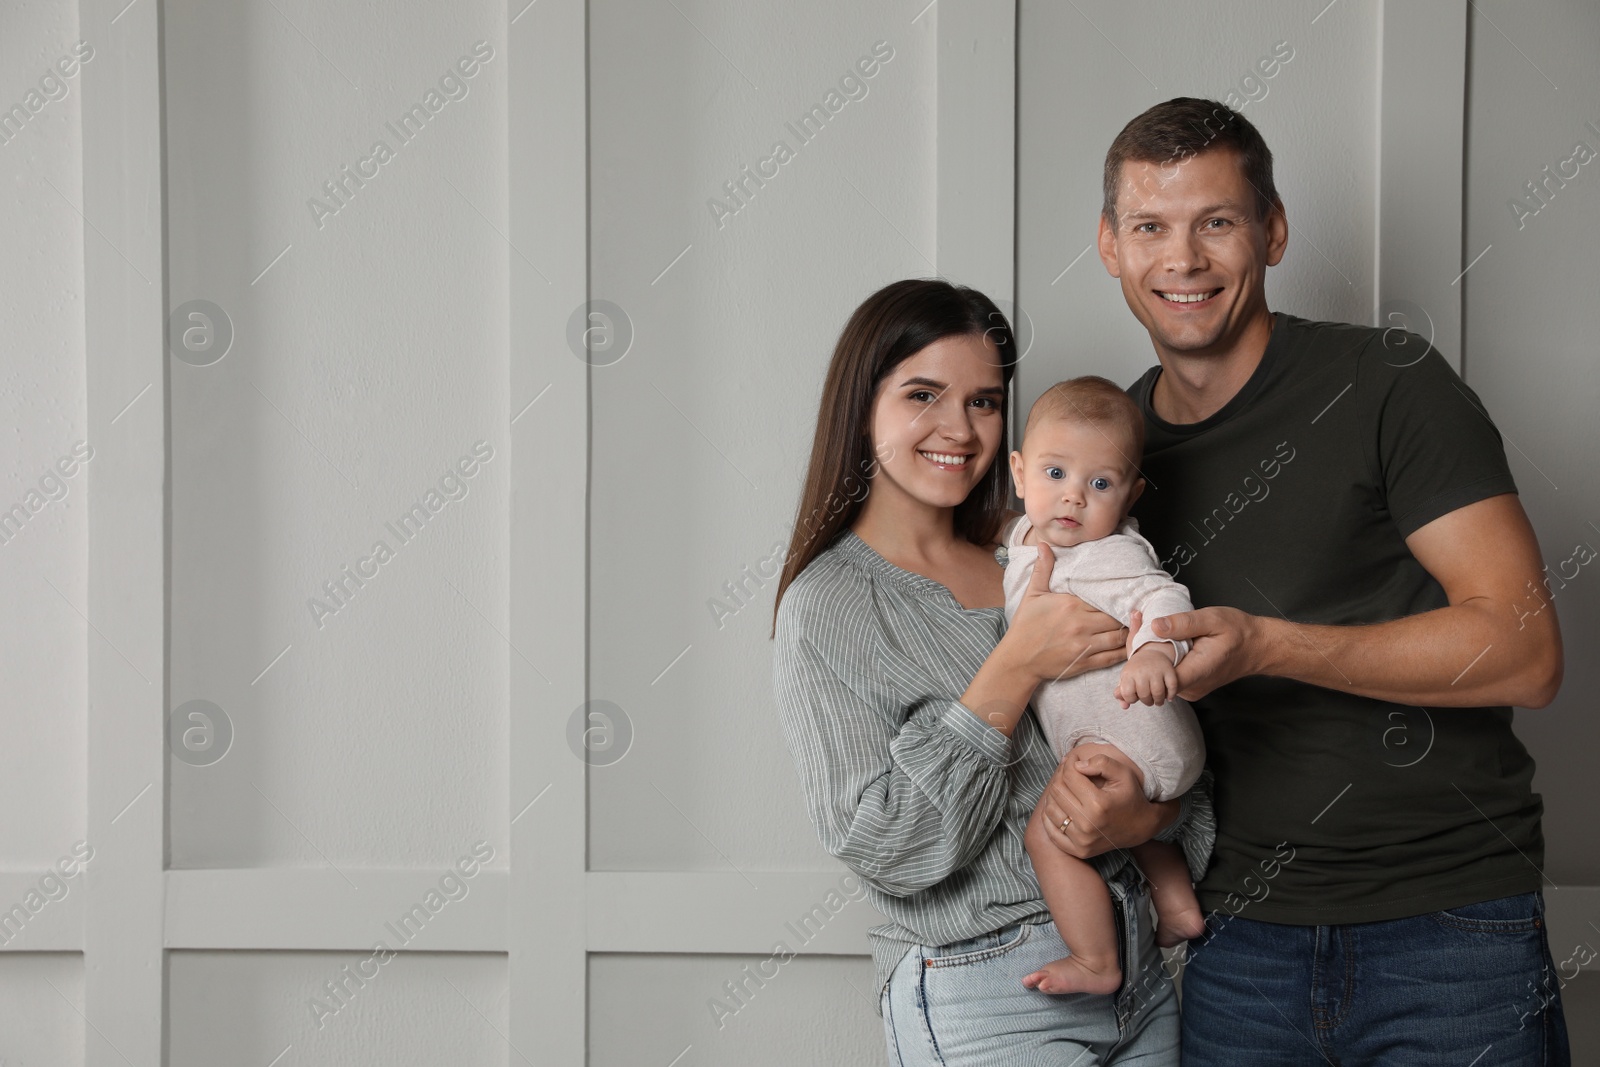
[
  {"x": 987, "y": 401},
  {"x": 918, "y": 394},
  {"x": 1101, "y": 484}
]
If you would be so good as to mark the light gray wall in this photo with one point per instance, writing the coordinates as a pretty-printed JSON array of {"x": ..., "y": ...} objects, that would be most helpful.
[
  {"x": 1531, "y": 323},
  {"x": 365, "y": 362},
  {"x": 43, "y": 579}
]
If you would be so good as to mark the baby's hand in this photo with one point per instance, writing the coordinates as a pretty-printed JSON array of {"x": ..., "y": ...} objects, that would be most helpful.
[{"x": 1148, "y": 677}]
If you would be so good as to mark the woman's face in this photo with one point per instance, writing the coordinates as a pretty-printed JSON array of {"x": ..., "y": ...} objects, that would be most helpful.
[{"x": 936, "y": 421}]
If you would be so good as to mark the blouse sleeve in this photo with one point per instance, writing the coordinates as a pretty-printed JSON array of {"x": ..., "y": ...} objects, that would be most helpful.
[
  {"x": 903, "y": 795},
  {"x": 1195, "y": 829}
]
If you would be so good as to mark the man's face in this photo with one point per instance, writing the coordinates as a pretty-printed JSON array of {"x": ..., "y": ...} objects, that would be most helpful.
[{"x": 1190, "y": 252}]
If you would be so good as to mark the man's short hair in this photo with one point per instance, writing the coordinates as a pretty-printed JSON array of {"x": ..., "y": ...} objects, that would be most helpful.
[
  {"x": 1096, "y": 401},
  {"x": 1179, "y": 129}
]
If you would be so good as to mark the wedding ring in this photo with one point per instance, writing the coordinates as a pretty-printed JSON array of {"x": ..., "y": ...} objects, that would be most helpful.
[{"x": 1064, "y": 824}]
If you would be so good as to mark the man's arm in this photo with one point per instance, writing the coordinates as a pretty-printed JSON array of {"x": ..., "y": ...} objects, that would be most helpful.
[{"x": 1496, "y": 642}]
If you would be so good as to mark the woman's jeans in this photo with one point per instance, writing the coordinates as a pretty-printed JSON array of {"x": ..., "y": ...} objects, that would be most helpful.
[
  {"x": 964, "y": 1003},
  {"x": 1473, "y": 985}
]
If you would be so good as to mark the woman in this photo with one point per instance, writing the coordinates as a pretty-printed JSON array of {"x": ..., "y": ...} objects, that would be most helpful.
[{"x": 902, "y": 691}]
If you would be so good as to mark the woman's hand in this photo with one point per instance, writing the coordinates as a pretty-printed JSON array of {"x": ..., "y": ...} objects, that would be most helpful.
[
  {"x": 1104, "y": 802},
  {"x": 1056, "y": 635}
]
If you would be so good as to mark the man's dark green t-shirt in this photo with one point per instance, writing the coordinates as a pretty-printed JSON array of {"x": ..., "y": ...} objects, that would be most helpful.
[{"x": 1294, "y": 500}]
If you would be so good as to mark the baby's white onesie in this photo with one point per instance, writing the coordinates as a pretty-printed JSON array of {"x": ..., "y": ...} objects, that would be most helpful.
[{"x": 1117, "y": 573}]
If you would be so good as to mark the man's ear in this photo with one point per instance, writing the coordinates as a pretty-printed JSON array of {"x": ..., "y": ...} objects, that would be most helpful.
[
  {"x": 1106, "y": 238},
  {"x": 1277, "y": 234}
]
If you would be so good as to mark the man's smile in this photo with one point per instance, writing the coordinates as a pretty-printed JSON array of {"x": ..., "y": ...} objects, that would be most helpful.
[{"x": 1187, "y": 297}]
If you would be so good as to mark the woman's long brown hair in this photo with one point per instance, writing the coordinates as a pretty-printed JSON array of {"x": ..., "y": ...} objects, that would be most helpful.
[{"x": 890, "y": 326}]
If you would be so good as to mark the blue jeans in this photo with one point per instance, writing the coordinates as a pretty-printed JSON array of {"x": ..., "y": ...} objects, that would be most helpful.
[
  {"x": 963, "y": 1004},
  {"x": 1472, "y": 985}
]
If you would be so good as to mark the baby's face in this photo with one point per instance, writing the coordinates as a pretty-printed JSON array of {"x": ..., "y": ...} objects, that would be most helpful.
[{"x": 1076, "y": 480}]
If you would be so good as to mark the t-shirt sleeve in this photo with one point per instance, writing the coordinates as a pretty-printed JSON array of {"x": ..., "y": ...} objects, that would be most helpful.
[{"x": 1435, "y": 447}]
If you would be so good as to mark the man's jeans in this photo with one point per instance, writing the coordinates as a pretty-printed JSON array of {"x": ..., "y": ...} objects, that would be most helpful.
[{"x": 1469, "y": 986}]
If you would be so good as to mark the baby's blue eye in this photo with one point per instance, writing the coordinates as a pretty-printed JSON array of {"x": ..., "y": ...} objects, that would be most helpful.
[
  {"x": 1053, "y": 472},
  {"x": 1101, "y": 484}
]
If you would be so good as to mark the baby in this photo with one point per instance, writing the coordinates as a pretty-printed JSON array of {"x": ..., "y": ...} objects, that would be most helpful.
[{"x": 1077, "y": 474}]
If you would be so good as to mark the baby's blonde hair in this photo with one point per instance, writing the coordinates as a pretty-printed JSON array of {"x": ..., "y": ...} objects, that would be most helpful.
[{"x": 1096, "y": 401}]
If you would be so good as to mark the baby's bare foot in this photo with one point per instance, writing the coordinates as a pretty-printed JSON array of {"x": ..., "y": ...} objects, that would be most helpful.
[
  {"x": 1178, "y": 925},
  {"x": 1075, "y": 974}
]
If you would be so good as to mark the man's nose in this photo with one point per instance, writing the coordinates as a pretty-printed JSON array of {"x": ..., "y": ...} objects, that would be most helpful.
[{"x": 1185, "y": 253}]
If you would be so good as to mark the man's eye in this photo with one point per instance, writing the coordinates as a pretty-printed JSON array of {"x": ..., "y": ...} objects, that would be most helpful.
[
  {"x": 1101, "y": 484},
  {"x": 1141, "y": 227}
]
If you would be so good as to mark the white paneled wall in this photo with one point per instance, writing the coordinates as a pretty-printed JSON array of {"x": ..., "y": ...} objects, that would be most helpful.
[
  {"x": 561, "y": 525},
  {"x": 367, "y": 371},
  {"x": 43, "y": 532}
]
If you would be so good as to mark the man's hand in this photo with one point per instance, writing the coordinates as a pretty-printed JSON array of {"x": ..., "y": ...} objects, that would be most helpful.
[
  {"x": 1225, "y": 645},
  {"x": 1148, "y": 677},
  {"x": 1104, "y": 801}
]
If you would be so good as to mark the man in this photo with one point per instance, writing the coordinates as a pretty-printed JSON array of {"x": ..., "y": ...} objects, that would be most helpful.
[{"x": 1339, "y": 505}]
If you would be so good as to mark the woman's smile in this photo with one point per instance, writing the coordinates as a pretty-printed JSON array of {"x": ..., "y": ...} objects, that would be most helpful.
[{"x": 946, "y": 461}]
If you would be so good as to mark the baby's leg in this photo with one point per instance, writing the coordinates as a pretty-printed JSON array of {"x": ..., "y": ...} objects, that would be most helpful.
[
  {"x": 1080, "y": 904},
  {"x": 1177, "y": 909}
]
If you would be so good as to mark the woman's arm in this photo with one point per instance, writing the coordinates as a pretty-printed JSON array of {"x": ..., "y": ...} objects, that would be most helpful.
[
  {"x": 902, "y": 804},
  {"x": 1052, "y": 636}
]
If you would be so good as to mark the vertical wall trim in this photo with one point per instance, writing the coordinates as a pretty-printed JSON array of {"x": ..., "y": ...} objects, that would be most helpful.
[
  {"x": 548, "y": 210},
  {"x": 1421, "y": 169},
  {"x": 126, "y": 374},
  {"x": 977, "y": 144}
]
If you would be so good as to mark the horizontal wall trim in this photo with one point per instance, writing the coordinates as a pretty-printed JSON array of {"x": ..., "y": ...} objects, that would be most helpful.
[
  {"x": 695, "y": 913},
  {"x": 313, "y": 908}
]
